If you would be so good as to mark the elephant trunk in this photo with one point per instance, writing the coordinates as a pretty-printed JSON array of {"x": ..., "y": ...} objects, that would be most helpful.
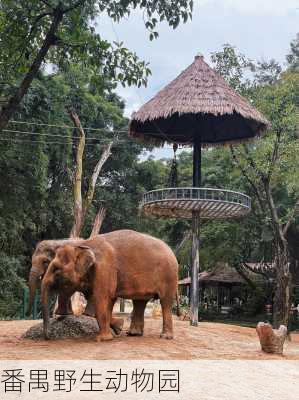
[
  {"x": 33, "y": 278},
  {"x": 45, "y": 308}
]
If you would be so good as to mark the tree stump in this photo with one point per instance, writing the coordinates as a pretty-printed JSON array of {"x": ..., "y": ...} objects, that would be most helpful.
[{"x": 271, "y": 340}]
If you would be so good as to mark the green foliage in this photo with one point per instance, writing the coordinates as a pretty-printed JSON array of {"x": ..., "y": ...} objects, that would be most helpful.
[
  {"x": 36, "y": 170},
  {"x": 24, "y": 25},
  {"x": 293, "y": 56},
  {"x": 276, "y": 95}
]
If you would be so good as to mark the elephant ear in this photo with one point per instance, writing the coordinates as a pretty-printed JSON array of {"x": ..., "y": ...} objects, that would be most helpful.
[{"x": 85, "y": 258}]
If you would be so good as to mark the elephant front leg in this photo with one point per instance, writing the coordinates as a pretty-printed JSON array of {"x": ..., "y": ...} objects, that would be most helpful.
[
  {"x": 64, "y": 305},
  {"x": 103, "y": 316},
  {"x": 137, "y": 318}
]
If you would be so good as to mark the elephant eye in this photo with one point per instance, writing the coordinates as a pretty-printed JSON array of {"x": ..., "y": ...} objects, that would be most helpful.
[{"x": 56, "y": 268}]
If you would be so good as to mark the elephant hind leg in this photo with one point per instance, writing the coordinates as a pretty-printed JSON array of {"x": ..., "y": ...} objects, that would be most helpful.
[
  {"x": 89, "y": 309},
  {"x": 167, "y": 330},
  {"x": 137, "y": 318},
  {"x": 116, "y": 323}
]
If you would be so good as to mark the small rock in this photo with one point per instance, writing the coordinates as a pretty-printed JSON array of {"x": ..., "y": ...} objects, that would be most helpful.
[{"x": 70, "y": 326}]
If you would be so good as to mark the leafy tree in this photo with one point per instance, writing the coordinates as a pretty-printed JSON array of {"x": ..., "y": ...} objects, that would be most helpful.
[
  {"x": 270, "y": 169},
  {"x": 293, "y": 56},
  {"x": 36, "y": 170},
  {"x": 64, "y": 32}
]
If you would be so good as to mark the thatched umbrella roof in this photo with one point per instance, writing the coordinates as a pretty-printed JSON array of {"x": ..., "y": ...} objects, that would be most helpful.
[{"x": 198, "y": 102}]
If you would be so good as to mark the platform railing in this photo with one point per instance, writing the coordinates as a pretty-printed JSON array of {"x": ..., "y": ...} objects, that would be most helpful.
[{"x": 191, "y": 193}]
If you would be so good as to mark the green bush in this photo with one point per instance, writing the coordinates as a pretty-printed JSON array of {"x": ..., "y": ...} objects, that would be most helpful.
[{"x": 11, "y": 286}]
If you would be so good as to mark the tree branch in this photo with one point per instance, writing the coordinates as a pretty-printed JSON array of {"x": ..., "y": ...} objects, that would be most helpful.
[
  {"x": 250, "y": 181},
  {"x": 76, "y": 5},
  {"x": 46, "y": 3},
  {"x": 98, "y": 222},
  {"x": 274, "y": 156},
  {"x": 78, "y": 209},
  {"x": 93, "y": 180},
  {"x": 186, "y": 237},
  {"x": 240, "y": 271},
  {"x": 275, "y": 219},
  {"x": 291, "y": 218},
  {"x": 13, "y": 103},
  {"x": 252, "y": 164},
  {"x": 256, "y": 271}
]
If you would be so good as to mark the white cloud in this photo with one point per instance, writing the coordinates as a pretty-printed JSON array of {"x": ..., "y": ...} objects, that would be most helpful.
[
  {"x": 255, "y": 7},
  {"x": 258, "y": 28}
]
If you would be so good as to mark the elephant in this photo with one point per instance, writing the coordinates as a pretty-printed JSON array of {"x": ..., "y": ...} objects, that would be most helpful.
[
  {"x": 122, "y": 263},
  {"x": 41, "y": 258}
]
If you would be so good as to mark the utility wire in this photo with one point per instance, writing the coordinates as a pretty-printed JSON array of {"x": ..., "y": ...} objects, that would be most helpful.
[
  {"x": 65, "y": 126},
  {"x": 46, "y": 142},
  {"x": 116, "y": 144},
  {"x": 99, "y": 140},
  {"x": 55, "y": 135}
]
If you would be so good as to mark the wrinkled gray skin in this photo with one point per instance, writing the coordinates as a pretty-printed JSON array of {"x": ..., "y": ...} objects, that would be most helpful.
[{"x": 41, "y": 258}]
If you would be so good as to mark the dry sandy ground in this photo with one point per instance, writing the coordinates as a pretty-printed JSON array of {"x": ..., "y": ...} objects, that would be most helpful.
[{"x": 208, "y": 341}]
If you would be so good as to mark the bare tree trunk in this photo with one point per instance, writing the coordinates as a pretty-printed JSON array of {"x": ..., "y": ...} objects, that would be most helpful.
[
  {"x": 282, "y": 297},
  {"x": 98, "y": 222},
  {"x": 78, "y": 207},
  {"x": 94, "y": 177},
  {"x": 81, "y": 206}
]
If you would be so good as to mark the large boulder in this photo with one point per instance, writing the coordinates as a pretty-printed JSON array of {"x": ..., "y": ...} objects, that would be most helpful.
[{"x": 70, "y": 326}]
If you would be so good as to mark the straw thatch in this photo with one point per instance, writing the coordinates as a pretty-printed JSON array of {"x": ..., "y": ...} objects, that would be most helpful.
[
  {"x": 222, "y": 273},
  {"x": 198, "y": 102}
]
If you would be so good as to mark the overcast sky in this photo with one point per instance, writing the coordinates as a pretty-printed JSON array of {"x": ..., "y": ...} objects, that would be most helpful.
[{"x": 261, "y": 29}]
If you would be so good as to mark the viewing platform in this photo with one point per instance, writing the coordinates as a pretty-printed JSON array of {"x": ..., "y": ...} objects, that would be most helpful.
[{"x": 181, "y": 202}]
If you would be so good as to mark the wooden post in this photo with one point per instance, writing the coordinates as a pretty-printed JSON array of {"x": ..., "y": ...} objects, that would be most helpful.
[{"x": 194, "y": 296}]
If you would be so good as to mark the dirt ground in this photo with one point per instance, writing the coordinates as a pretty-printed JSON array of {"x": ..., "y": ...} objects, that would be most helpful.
[{"x": 208, "y": 341}]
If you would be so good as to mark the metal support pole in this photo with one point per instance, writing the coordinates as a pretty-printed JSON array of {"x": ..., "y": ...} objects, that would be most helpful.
[
  {"x": 194, "y": 296},
  {"x": 122, "y": 305},
  {"x": 197, "y": 162},
  {"x": 195, "y": 268}
]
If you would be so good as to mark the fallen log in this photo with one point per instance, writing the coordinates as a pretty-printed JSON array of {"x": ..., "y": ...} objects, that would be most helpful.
[{"x": 271, "y": 340}]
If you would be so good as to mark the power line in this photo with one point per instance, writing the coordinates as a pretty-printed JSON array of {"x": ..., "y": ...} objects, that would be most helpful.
[
  {"x": 54, "y": 135},
  {"x": 99, "y": 140},
  {"x": 116, "y": 144},
  {"x": 44, "y": 142},
  {"x": 65, "y": 126}
]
